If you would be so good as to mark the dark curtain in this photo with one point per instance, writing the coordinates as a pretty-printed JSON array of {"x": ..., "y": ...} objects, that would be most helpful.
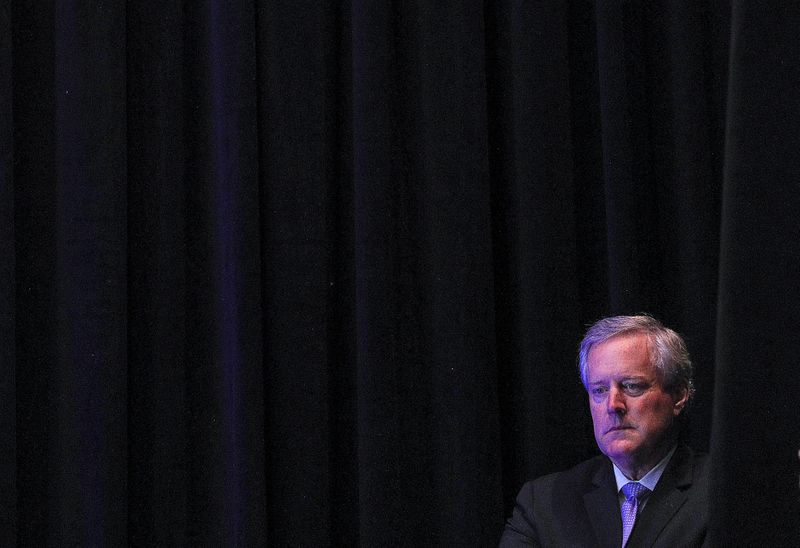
[
  {"x": 755, "y": 439},
  {"x": 298, "y": 273}
]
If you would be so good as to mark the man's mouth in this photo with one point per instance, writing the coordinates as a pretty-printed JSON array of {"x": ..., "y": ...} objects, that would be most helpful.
[{"x": 618, "y": 428}]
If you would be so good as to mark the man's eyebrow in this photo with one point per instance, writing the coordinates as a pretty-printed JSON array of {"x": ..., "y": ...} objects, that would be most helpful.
[{"x": 621, "y": 379}]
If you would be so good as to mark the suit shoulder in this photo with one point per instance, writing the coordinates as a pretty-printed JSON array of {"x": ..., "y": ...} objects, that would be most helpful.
[{"x": 549, "y": 509}]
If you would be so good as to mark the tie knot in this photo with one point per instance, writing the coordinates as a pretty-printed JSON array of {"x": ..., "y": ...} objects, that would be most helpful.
[{"x": 634, "y": 489}]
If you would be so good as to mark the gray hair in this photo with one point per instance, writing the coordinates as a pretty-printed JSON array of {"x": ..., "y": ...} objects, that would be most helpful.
[{"x": 667, "y": 349}]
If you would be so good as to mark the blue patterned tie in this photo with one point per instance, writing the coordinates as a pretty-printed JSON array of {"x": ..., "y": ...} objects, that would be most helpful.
[{"x": 632, "y": 492}]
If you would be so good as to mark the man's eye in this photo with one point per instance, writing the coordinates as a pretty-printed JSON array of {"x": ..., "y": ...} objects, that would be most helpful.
[
  {"x": 599, "y": 390},
  {"x": 634, "y": 388}
]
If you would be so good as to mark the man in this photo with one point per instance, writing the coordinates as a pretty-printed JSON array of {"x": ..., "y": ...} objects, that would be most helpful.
[{"x": 646, "y": 489}]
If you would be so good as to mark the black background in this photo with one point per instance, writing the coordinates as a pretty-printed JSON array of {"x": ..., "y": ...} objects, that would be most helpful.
[{"x": 306, "y": 273}]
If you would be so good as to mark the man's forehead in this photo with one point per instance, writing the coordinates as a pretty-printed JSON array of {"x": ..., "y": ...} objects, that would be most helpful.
[
  {"x": 624, "y": 355},
  {"x": 624, "y": 343}
]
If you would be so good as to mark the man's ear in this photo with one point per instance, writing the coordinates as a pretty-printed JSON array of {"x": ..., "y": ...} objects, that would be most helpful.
[{"x": 681, "y": 397}]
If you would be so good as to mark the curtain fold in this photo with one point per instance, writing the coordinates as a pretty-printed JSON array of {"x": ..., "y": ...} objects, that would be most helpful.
[
  {"x": 307, "y": 242},
  {"x": 755, "y": 441},
  {"x": 8, "y": 381},
  {"x": 158, "y": 312},
  {"x": 284, "y": 273},
  {"x": 71, "y": 271},
  {"x": 427, "y": 421}
]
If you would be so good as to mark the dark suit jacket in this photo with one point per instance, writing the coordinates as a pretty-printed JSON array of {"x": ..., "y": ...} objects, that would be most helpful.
[{"x": 579, "y": 507}]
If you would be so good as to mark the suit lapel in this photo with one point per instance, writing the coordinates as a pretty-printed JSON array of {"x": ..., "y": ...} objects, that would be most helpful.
[
  {"x": 669, "y": 496},
  {"x": 601, "y": 497}
]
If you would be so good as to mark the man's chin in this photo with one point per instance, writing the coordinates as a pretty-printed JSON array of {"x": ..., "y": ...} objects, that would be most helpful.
[{"x": 620, "y": 450}]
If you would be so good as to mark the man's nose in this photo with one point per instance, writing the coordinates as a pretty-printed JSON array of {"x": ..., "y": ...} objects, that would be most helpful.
[{"x": 616, "y": 401}]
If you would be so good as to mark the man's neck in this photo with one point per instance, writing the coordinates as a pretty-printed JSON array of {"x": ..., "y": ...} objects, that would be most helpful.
[
  {"x": 636, "y": 470},
  {"x": 651, "y": 478}
]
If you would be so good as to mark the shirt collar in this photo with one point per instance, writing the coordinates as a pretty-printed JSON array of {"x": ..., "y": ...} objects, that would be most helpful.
[{"x": 651, "y": 478}]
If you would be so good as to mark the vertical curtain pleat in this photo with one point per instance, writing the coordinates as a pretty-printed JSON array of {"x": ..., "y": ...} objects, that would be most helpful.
[
  {"x": 8, "y": 385},
  {"x": 224, "y": 375},
  {"x": 423, "y": 276},
  {"x": 393, "y": 428},
  {"x": 307, "y": 248},
  {"x": 34, "y": 208},
  {"x": 627, "y": 87},
  {"x": 756, "y": 426},
  {"x": 158, "y": 417},
  {"x": 70, "y": 171}
]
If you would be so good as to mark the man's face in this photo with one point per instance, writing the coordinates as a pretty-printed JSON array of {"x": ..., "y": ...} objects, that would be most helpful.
[{"x": 632, "y": 413}]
